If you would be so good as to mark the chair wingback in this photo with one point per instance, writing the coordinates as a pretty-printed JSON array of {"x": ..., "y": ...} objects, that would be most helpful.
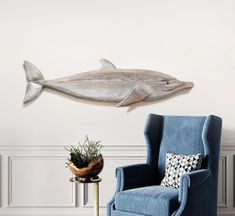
[{"x": 182, "y": 135}]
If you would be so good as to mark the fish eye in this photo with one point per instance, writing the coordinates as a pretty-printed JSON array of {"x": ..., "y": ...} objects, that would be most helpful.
[{"x": 167, "y": 82}]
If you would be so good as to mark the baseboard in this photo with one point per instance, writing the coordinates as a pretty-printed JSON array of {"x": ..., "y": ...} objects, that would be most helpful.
[
  {"x": 226, "y": 214},
  {"x": 47, "y": 214},
  {"x": 78, "y": 213}
]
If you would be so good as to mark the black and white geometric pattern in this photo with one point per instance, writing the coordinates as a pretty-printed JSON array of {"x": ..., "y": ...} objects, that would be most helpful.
[{"x": 177, "y": 165}]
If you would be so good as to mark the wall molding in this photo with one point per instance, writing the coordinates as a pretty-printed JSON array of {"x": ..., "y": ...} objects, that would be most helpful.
[
  {"x": 82, "y": 201},
  {"x": 107, "y": 148},
  {"x": 224, "y": 182},
  {"x": 12, "y": 146},
  {"x": 11, "y": 204}
]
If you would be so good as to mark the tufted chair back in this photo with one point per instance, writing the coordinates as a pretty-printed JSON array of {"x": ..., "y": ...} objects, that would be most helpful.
[{"x": 182, "y": 135}]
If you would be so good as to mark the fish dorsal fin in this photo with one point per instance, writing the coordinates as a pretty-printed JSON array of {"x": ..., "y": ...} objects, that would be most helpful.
[{"x": 106, "y": 64}]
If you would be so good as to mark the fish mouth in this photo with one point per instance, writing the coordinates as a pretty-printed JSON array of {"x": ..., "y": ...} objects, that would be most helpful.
[
  {"x": 188, "y": 85},
  {"x": 179, "y": 85}
]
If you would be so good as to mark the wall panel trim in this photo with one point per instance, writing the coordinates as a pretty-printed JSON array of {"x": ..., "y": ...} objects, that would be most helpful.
[
  {"x": 224, "y": 182},
  {"x": 82, "y": 202},
  {"x": 11, "y": 204}
]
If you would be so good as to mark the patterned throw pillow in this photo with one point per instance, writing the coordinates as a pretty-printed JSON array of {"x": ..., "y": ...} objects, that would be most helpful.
[{"x": 177, "y": 165}]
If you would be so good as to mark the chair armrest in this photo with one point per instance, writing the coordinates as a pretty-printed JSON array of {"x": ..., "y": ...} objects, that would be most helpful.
[
  {"x": 188, "y": 182},
  {"x": 133, "y": 176},
  {"x": 193, "y": 179},
  {"x": 196, "y": 178}
]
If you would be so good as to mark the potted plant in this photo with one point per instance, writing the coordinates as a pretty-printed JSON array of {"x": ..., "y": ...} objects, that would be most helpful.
[{"x": 86, "y": 160}]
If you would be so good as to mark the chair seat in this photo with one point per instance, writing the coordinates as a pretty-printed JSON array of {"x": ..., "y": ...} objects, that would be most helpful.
[{"x": 151, "y": 200}]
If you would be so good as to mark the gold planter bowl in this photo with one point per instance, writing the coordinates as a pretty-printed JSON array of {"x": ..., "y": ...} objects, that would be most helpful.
[{"x": 92, "y": 170}]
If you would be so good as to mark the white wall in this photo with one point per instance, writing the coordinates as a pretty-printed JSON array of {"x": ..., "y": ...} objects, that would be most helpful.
[{"x": 191, "y": 40}]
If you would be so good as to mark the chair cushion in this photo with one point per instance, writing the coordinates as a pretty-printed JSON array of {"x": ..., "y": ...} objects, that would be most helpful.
[
  {"x": 151, "y": 200},
  {"x": 177, "y": 165}
]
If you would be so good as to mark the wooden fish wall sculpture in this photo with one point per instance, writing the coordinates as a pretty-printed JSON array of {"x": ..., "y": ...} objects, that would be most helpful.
[{"x": 109, "y": 84}]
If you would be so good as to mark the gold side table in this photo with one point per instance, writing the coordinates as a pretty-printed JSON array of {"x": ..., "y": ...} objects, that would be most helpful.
[{"x": 96, "y": 182}]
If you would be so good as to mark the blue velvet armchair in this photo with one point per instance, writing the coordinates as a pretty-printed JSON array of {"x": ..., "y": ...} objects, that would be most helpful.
[{"x": 139, "y": 192}]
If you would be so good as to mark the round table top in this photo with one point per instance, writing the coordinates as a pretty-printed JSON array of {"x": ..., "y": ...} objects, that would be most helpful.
[{"x": 77, "y": 179}]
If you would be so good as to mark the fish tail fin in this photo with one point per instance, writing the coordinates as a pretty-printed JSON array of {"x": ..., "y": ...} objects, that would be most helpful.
[{"x": 33, "y": 76}]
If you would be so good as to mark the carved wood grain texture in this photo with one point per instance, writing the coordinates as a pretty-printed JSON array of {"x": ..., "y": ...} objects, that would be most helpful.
[{"x": 109, "y": 84}]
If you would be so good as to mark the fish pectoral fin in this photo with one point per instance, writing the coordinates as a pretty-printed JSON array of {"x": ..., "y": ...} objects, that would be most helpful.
[
  {"x": 106, "y": 64},
  {"x": 139, "y": 93}
]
